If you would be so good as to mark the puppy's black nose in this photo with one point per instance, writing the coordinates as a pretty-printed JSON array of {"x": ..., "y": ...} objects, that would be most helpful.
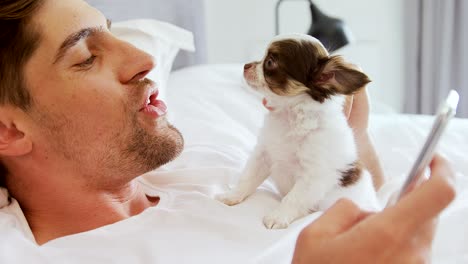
[{"x": 248, "y": 66}]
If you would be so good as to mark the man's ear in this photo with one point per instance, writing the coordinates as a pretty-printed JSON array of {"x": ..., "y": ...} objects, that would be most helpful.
[
  {"x": 341, "y": 77},
  {"x": 13, "y": 141}
]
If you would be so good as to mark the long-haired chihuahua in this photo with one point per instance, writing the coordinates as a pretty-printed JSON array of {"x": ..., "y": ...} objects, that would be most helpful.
[{"x": 306, "y": 146}]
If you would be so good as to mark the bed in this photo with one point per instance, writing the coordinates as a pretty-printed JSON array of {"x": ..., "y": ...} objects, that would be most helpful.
[{"x": 219, "y": 117}]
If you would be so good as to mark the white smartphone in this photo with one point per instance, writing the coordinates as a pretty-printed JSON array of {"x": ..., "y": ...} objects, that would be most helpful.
[{"x": 446, "y": 111}]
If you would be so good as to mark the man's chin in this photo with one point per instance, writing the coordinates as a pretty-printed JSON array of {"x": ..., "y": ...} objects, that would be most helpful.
[
  {"x": 179, "y": 142},
  {"x": 167, "y": 149},
  {"x": 153, "y": 145}
]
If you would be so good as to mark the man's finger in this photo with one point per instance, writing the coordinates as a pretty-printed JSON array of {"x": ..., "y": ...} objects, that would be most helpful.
[
  {"x": 348, "y": 105},
  {"x": 426, "y": 201},
  {"x": 359, "y": 116}
]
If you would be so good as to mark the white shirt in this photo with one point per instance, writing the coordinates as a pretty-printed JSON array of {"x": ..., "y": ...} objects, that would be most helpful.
[{"x": 187, "y": 226}]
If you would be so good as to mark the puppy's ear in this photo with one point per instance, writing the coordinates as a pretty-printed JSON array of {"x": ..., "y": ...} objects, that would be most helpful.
[{"x": 338, "y": 76}]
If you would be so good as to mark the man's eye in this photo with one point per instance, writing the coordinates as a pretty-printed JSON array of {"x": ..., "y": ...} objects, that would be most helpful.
[{"x": 87, "y": 62}]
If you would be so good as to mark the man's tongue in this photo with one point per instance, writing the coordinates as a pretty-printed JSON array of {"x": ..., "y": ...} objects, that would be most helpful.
[{"x": 161, "y": 107}]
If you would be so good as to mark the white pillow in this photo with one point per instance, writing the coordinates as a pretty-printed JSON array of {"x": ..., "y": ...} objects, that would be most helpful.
[{"x": 160, "y": 39}]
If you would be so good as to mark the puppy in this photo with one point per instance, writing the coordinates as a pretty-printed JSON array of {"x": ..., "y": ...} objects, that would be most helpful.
[{"x": 305, "y": 145}]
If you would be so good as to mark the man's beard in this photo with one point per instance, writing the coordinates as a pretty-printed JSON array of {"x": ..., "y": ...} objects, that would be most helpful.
[
  {"x": 129, "y": 151},
  {"x": 148, "y": 152}
]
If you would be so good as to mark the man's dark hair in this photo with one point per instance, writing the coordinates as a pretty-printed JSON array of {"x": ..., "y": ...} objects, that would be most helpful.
[{"x": 18, "y": 41}]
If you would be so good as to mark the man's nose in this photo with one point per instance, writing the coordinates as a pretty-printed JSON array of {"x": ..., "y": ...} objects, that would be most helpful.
[{"x": 136, "y": 65}]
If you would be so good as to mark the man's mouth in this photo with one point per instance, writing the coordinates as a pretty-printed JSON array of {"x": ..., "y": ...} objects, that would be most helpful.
[{"x": 152, "y": 106}]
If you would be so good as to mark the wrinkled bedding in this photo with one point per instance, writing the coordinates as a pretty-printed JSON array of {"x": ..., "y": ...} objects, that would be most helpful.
[
  {"x": 219, "y": 118},
  {"x": 207, "y": 95}
]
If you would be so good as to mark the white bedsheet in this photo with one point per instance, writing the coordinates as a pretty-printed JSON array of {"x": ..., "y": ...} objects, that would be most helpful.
[
  {"x": 219, "y": 118},
  {"x": 237, "y": 113}
]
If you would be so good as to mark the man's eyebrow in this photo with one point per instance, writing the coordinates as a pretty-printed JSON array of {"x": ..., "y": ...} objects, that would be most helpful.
[{"x": 73, "y": 39}]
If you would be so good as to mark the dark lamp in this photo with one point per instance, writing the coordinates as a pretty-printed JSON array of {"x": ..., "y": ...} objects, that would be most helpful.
[{"x": 332, "y": 32}]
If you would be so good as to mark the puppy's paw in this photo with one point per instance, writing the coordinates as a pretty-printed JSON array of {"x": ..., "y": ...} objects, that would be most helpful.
[
  {"x": 230, "y": 198},
  {"x": 277, "y": 220}
]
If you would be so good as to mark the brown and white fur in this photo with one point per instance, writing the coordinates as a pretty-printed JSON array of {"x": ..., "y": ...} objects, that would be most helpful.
[{"x": 305, "y": 145}]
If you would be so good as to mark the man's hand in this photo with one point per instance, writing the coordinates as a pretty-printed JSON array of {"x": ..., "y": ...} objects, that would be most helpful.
[
  {"x": 357, "y": 109},
  {"x": 399, "y": 234}
]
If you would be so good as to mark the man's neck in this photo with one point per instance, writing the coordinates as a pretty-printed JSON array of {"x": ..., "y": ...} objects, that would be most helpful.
[{"x": 73, "y": 211}]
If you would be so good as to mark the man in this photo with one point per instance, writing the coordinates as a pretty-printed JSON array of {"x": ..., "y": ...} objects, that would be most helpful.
[
  {"x": 84, "y": 126},
  {"x": 76, "y": 131}
]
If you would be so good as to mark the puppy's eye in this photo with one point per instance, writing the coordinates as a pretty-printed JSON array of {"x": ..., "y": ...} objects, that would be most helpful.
[{"x": 270, "y": 63}]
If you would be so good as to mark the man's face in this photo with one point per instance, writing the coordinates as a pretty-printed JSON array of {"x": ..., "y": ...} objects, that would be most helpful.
[{"x": 88, "y": 97}]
